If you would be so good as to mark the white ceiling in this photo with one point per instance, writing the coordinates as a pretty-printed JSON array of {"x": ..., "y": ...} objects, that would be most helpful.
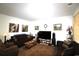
[{"x": 29, "y": 11}]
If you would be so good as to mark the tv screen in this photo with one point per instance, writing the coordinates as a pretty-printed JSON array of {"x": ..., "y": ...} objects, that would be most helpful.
[{"x": 44, "y": 34}]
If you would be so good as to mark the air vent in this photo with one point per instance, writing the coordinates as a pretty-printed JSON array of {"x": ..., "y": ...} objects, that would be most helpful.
[{"x": 69, "y": 4}]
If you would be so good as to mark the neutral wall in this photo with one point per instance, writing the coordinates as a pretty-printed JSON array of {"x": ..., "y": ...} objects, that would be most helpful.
[
  {"x": 4, "y": 25},
  {"x": 76, "y": 27},
  {"x": 61, "y": 35},
  {"x": 66, "y": 21}
]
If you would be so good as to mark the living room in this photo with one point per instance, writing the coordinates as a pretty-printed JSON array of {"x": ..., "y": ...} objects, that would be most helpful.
[{"x": 19, "y": 21}]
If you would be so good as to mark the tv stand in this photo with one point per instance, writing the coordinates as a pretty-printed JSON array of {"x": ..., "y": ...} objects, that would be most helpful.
[{"x": 45, "y": 41}]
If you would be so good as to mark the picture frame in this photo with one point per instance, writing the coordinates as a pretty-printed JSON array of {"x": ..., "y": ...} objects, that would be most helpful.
[
  {"x": 36, "y": 27},
  {"x": 24, "y": 28},
  {"x": 57, "y": 26},
  {"x": 13, "y": 27}
]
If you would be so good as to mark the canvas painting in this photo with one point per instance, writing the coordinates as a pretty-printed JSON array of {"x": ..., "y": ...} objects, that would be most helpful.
[
  {"x": 36, "y": 27},
  {"x": 13, "y": 27},
  {"x": 24, "y": 28},
  {"x": 57, "y": 26}
]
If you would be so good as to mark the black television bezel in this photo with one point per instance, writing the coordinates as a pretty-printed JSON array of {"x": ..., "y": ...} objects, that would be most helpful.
[{"x": 43, "y": 35}]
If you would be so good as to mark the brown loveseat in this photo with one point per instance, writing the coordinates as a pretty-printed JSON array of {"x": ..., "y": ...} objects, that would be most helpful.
[
  {"x": 21, "y": 39},
  {"x": 8, "y": 51}
]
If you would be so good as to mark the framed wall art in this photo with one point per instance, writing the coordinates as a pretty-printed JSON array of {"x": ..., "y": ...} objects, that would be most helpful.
[
  {"x": 24, "y": 28},
  {"x": 57, "y": 26},
  {"x": 36, "y": 27},
  {"x": 13, "y": 27}
]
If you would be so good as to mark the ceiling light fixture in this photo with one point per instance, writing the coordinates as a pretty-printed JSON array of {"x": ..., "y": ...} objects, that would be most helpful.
[
  {"x": 69, "y": 4},
  {"x": 40, "y": 11}
]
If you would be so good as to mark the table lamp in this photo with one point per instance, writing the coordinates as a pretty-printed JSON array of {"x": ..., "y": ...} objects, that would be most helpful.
[{"x": 5, "y": 34}]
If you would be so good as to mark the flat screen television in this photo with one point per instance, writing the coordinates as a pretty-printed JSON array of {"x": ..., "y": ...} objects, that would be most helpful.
[{"x": 44, "y": 34}]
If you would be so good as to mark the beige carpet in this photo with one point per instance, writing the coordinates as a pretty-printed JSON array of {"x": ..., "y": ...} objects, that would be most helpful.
[{"x": 38, "y": 50}]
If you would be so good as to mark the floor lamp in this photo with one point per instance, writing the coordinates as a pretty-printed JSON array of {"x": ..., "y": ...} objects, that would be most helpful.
[{"x": 4, "y": 38}]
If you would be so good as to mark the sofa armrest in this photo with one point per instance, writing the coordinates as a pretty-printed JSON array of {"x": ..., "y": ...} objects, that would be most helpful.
[
  {"x": 69, "y": 51},
  {"x": 11, "y": 51}
]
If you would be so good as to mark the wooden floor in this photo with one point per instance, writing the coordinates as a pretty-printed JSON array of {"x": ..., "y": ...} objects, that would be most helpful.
[{"x": 38, "y": 50}]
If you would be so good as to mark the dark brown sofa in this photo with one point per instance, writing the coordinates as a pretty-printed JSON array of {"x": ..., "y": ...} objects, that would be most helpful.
[
  {"x": 73, "y": 50},
  {"x": 21, "y": 39},
  {"x": 8, "y": 50}
]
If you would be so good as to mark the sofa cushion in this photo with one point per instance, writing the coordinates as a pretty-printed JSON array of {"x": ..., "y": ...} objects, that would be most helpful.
[
  {"x": 11, "y": 51},
  {"x": 69, "y": 51},
  {"x": 9, "y": 44},
  {"x": 1, "y": 44}
]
